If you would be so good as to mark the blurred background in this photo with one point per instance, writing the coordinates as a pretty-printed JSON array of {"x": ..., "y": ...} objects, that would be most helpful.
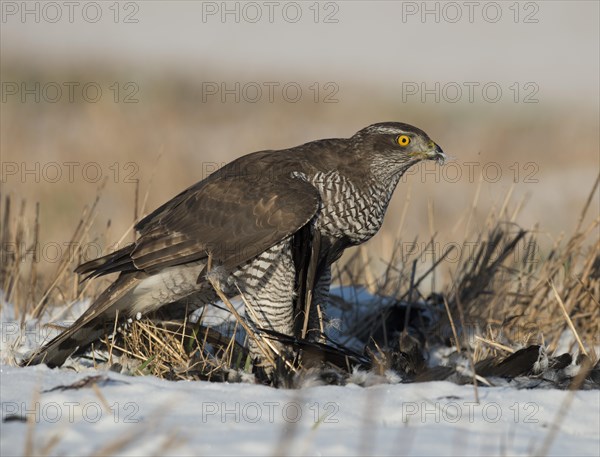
[{"x": 150, "y": 97}]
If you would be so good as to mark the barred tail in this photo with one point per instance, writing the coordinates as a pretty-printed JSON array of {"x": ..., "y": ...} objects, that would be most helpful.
[{"x": 88, "y": 328}]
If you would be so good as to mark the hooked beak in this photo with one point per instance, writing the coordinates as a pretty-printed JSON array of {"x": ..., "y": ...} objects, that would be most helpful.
[
  {"x": 436, "y": 153},
  {"x": 433, "y": 152}
]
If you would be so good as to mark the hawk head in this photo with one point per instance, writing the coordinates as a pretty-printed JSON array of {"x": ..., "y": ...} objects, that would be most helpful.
[{"x": 397, "y": 145}]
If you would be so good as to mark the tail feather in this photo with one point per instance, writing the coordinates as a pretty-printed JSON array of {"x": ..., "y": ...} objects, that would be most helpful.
[
  {"x": 88, "y": 328},
  {"x": 58, "y": 350},
  {"x": 111, "y": 263}
]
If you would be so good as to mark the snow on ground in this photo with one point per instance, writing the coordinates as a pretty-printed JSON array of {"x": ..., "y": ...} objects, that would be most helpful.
[
  {"x": 201, "y": 418},
  {"x": 126, "y": 415}
]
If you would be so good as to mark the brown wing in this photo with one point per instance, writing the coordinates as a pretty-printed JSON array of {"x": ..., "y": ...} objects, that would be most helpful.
[
  {"x": 232, "y": 216},
  {"x": 233, "y": 219}
]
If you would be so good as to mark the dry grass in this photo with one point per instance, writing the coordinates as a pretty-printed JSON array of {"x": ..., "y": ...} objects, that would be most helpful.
[
  {"x": 21, "y": 281},
  {"x": 531, "y": 297}
]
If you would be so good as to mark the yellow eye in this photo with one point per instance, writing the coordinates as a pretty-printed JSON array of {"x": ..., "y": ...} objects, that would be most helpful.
[{"x": 403, "y": 140}]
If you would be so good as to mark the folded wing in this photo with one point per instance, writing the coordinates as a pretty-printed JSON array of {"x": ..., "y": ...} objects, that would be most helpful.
[{"x": 233, "y": 217}]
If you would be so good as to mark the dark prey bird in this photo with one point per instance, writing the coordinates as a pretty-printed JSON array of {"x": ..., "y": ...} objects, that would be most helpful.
[{"x": 268, "y": 225}]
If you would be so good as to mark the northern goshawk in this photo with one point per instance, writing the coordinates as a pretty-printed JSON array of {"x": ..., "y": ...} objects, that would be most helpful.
[{"x": 269, "y": 225}]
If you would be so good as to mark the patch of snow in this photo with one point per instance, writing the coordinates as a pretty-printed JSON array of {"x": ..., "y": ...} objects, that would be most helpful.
[
  {"x": 201, "y": 418},
  {"x": 18, "y": 339}
]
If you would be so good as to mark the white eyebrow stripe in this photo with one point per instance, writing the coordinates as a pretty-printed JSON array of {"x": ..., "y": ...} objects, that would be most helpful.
[{"x": 383, "y": 129}]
